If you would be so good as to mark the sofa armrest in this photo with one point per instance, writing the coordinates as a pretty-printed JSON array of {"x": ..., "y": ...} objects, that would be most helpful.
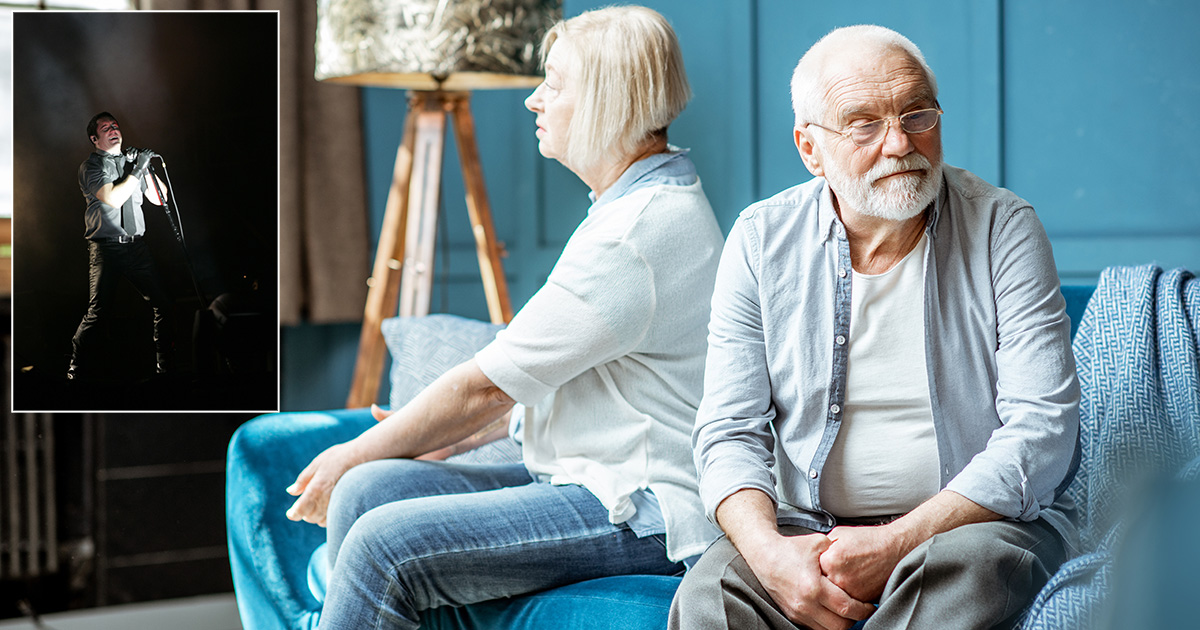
[{"x": 269, "y": 554}]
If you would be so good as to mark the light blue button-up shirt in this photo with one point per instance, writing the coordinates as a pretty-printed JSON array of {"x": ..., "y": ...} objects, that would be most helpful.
[{"x": 1002, "y": 381}]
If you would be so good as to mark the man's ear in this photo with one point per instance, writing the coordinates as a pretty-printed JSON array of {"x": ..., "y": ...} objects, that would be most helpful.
[{"x": 809, "y": 153}]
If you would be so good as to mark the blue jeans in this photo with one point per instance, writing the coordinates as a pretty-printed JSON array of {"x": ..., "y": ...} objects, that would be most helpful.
[{"x": 407, "y": 535}]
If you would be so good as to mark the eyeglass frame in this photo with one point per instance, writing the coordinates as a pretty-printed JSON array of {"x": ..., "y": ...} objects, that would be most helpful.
[{"x": 887, "y": 126}]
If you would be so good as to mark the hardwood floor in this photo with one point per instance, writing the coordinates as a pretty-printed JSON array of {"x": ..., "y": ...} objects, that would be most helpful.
[{"x": 207, "y": 612}]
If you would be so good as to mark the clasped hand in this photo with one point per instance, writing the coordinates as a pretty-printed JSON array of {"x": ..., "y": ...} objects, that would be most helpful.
[
  {"x": 860, "y": 560},
  {"x": 825, "y": 581}
]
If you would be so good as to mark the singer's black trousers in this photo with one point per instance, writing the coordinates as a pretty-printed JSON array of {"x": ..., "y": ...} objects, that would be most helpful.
[{"x": 109, "y": 262}]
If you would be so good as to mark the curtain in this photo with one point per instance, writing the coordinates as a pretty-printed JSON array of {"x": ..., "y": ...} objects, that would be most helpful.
[{"x": 323, "y": 226}]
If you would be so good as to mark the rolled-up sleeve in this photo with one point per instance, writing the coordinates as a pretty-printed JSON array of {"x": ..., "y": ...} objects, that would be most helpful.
[
  {"x": 596, "y": 306},
  {"x": 1030, "y": 458},
  {"x": 95, "y": 173},
  {"x": 732, "y": 440}
]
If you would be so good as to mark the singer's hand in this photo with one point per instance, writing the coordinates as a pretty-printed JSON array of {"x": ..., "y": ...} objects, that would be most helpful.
[
  {"x": 143, "y": 162},
  {"x": 132, "y": 153}
]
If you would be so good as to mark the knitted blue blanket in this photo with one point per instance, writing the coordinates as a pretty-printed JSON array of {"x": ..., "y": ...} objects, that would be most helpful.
[{"x": 1136, "y": 353}]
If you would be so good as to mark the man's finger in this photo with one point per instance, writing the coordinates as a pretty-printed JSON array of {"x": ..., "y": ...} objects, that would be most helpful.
[
  {"x": 379, "y": 413},
  {"x": 820, "y": 618},
  {"x": 842, "y": 604}
]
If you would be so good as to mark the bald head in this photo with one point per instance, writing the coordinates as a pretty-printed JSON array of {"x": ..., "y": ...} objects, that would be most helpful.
[{"x": 846, "y": 52}]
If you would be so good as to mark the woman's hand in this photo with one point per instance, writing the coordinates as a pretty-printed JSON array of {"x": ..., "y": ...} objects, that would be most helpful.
[
  {"x": 316, "y": 482},
  {"x": 460, "y": 402}
]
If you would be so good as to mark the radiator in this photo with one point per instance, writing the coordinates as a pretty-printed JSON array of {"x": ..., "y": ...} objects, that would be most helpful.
[{"x": 28, "y": 523}]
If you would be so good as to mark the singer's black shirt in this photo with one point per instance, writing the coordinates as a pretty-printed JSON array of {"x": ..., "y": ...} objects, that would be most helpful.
[{"x": 100, "y": 219}]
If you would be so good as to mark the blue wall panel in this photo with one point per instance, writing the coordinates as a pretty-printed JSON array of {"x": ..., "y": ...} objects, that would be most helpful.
[
  {"x": 1101, "y": 130},
  {"x": 1085, "y": 108}
]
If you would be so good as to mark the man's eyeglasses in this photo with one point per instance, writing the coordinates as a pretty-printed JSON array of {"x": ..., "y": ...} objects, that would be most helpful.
[{"x": 866, "y": 134}]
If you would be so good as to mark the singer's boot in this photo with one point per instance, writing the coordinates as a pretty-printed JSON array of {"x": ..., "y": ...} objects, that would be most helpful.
[{"x": 163, "y": 347}]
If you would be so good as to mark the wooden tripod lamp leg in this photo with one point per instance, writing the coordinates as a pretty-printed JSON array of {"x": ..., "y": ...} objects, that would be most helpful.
[
  {"x": 489, "y": 250},
  {"x": 416, "y": 282},
  {"x": 385, "y": 276},
  {"x": 403, "y": 269}
]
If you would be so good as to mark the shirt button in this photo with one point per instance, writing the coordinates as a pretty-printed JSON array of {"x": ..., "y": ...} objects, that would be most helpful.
[
  {"x": 835, "y": 408},
  {"x": 841, "y": 273},
  {"x": 812, "y": 472},
  {"x": 841, "y": 340}
]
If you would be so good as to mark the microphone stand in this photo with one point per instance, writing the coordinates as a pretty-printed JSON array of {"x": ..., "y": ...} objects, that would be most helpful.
[{"x": 176, "y": 224}]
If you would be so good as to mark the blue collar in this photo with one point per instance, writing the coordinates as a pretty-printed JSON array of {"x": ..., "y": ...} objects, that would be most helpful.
[{"x": 672, "y": 168}]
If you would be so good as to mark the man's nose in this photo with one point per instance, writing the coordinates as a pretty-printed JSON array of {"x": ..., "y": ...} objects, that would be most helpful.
[{"x": 896, "y": 142}]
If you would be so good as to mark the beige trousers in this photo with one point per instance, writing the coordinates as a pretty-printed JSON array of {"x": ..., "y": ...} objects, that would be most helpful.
[{"x": 976, "y": 576}]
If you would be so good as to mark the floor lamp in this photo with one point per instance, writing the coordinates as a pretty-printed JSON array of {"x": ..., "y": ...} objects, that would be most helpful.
[{"x": 440, "y": 50}]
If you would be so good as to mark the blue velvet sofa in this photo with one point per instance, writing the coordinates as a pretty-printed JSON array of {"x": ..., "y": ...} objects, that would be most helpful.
[{"x": 278, "y": 587}]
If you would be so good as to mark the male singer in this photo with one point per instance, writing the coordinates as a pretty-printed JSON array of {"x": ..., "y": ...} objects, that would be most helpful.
[{"x": 113, "y": 184}]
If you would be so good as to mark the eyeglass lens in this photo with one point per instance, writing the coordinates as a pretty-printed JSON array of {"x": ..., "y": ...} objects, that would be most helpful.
[{"x": 913, "y": 122}]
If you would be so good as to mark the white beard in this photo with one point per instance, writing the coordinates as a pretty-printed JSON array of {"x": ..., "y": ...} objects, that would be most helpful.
[{"x": 897, "y": 199}]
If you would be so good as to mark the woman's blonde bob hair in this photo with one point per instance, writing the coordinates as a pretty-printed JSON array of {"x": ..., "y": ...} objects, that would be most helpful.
[{"x": 628, "y": 78}]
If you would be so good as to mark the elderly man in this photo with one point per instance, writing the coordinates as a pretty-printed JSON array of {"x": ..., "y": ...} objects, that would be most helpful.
[{"x": 890, "y": 413}]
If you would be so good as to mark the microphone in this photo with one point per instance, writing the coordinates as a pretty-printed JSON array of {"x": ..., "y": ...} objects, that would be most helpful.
[{"x": 131, "y": 154}]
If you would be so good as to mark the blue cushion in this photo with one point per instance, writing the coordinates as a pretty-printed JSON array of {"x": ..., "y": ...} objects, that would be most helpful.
[{"x": 424, "y": 348}]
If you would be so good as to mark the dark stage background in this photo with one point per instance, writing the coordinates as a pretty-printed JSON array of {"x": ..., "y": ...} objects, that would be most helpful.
[{"x": 200, "y": 89}]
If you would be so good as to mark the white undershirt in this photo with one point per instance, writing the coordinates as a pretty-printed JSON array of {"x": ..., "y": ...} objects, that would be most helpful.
[{"x": 885, "y": 458}]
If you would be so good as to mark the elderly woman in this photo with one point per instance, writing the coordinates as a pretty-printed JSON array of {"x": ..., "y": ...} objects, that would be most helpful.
[{"x": 607, "y": 359}]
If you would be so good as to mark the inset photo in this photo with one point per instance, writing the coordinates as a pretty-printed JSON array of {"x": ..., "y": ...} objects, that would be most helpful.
[{"x": 145, "y": 211}]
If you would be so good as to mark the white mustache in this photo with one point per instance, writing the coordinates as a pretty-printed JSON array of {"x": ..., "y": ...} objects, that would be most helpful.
[{"x": 891, "y": 166}]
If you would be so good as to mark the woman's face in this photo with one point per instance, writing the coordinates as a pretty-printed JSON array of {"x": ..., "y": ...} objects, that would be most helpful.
[{"x": 554, "y": 101}]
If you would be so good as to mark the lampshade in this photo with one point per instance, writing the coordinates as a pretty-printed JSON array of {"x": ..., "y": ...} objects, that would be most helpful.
[{"x": 432, "y": 44}]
